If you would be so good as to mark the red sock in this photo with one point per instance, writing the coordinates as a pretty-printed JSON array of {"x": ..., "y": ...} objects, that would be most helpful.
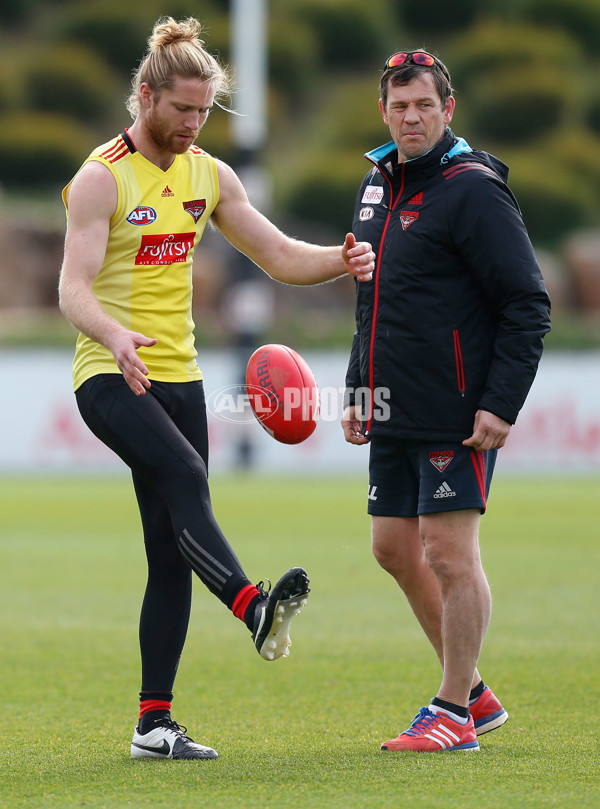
[
  {"x": 153, "y": 705},
  {"x": 243, "y": 599}
]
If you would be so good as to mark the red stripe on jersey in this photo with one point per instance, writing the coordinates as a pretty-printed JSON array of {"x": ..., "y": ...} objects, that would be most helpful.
[
  {"x": 118, "y": 156},
  {"x": 118, "y": 144},
  {"x": 116, "y": 152}
]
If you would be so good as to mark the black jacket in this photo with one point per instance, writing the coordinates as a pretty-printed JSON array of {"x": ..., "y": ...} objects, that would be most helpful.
[{"x": 454, "y": 318}]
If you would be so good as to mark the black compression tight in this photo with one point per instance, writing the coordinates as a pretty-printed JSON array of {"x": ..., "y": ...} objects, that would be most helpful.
[{"x": 162, "y": 436}]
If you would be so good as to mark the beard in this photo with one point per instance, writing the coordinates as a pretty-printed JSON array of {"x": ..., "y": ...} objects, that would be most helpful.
[{"x": 165, "y": 139}]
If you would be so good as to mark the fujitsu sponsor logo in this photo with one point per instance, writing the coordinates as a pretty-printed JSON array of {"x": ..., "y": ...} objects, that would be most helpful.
[
  {"x": 164, "y": 248},
  {"x": 373, "y": 194}
]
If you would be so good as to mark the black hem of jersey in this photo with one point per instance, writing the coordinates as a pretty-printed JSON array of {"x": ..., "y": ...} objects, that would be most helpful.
[{"x": 128, "y": 141}]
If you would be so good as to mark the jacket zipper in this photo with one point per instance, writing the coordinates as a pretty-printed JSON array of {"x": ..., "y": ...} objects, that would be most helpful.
[
  {"x": 460, "y": 368},
  {"x": 376, "y": 295}
]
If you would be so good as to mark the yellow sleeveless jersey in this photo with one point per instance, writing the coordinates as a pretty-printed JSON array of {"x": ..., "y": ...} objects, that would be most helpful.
[{"x": 145, "y": 282}]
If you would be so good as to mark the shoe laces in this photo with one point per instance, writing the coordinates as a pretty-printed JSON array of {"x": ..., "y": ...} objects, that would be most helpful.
[
  {"x": 171, "y": 724},
  {"x": 261, "y": 588},
  {"x": 421, "y": 723}
]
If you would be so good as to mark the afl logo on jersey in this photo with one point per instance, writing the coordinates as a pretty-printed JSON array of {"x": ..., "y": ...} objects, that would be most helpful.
[{"x": 142, "y": 215}]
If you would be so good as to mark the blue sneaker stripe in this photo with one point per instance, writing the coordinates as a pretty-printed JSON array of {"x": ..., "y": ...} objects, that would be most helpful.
[
  {"x": 466, "y": 746},
  {"x": 489, "y": 718}
]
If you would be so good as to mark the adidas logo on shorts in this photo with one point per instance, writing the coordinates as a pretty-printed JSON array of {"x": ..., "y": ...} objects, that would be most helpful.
[{"x": 444, "y": 491}]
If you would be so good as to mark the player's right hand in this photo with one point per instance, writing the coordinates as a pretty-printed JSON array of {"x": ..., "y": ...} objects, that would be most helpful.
[{"x": 124, "y": 347}]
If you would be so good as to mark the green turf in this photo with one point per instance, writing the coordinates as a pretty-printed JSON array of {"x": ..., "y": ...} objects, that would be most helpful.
[{"x": 304, "y": 731}]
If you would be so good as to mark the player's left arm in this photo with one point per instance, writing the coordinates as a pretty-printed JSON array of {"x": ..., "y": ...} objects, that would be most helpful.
[
  {"x": 489, "y": 231},
  {"x": 283, "y": 258}
]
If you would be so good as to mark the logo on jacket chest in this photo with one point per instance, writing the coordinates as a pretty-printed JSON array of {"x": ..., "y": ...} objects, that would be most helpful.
[
  {"x": 373, "y": 194},
  {"x": 407, "y": 218}
]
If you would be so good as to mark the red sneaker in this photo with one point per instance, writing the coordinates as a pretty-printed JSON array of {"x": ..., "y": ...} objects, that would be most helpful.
[
  {"x": 433, "y": 732},
  {"x": 487, "y": 712}
]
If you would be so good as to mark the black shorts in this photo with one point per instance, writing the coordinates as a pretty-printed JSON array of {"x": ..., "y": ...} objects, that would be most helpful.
[{"x": 408, "y": 478}]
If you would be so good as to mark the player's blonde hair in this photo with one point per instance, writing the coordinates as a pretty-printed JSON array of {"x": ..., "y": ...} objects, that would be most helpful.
[{"x": 175, "y": 49}]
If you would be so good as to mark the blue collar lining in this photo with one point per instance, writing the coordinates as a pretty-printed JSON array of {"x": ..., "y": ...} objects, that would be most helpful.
[
  {"x": 460, "y": 147},
  {"x": 377, "y": 155}
]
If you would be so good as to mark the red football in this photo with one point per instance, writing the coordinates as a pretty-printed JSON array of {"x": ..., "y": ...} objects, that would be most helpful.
[{"x": 283, "y": 393}]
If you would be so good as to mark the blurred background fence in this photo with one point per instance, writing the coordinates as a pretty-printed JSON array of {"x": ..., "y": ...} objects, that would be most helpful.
[
  {"x": 526, "y": 77},
  {"x": 558, "y": 431}
]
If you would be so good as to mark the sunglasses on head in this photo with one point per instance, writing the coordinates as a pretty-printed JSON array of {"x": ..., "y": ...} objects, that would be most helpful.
[{"x": 416, "y": 57}]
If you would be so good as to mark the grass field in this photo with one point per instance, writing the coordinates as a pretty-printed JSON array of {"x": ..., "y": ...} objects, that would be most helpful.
[{"x": 303, "y": 731}]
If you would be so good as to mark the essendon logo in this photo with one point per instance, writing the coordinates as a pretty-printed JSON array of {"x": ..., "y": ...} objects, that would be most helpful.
[
  {"x": 407, "y": 218},
  {"x": 165, "y": 248},
  {"x": 195, "y": 208},
  {"x": 441, "y": 459}
]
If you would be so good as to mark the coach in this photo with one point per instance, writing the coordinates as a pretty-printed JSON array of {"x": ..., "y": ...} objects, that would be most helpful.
[{"x": 451, "y": 327}]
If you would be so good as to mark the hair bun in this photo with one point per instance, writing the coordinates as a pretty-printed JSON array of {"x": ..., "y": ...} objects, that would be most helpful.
[{"x": 168, "y": 31}]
